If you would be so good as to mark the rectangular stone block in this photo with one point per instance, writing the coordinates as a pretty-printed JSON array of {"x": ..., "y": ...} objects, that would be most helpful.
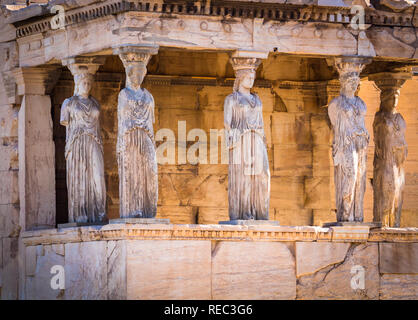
[
  {"x": 9, "y": 187},
  {"x": 291, "y": 128},
  {"x": 212, "y": 98},
  {"x": 398, "y": 287},
  {"x": 168, "y": 269},
  {"x": 10, "y": 274},
  {"x": 292, "y": 160},
  {"x": 177, "y": 214},
  {"x": 209, "y": 215},
  {"x": 211, "y": 119},
  {"x": 350, "y": 233},
  {"x": 9, "y": 154},
  {"x": 252, "y": 270},
  {"x": 322, "y": 163},
  {"x": 9, "y": 220},
  {"x": 409, "y": 218},
  {"x": 319, "y": 193},
  {"x": 175, "y": 97},
  {"x": 210, "y": 191},
  {"x": 85, "y": 270},
  {"x": 314, "y": 256},
  {"x": 323, "y": 216},
  {"x": 287, "y": 193},
  {"x": 398, "y": 257},
  {"x": 36, "y": 162},
  {"x": 321, "y": 129},
  {"x": 286, "y": 217},
  {"x": 8, "y": 120},
  {"x": 169, "y": 119},
  {"x": 39, "y": 262},
  {"x": 328, "y": 271}
]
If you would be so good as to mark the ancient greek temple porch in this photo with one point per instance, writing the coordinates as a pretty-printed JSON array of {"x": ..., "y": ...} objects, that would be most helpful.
[{"x": 189, "y": 75}]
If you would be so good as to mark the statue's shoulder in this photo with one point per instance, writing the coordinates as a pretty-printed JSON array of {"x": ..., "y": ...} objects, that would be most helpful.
[
  {"x": 123, "y": 92},
  {"x": 334, "y": 103},
  {"x": 95, "y": 101},
  {"x": 230, "y": 98},
  {"x": 67, "y": 102}
]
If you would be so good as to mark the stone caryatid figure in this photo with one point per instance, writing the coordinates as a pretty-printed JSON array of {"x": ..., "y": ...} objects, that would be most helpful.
[
  {"x": 83, "y": 147},
  {"x": 390, "y": 152},
  {"x": 350, "y": 143},
  {"x": 136, "y": 153},
  {"x": 248, "y": 175}
]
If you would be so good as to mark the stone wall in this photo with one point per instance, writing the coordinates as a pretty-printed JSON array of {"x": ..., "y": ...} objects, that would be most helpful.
[
  {"x": 219, "y": 262},
  {"x": 9, "y": 197}
]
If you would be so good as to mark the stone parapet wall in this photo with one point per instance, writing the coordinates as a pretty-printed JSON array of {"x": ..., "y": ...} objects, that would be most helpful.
[{"x": 221, "y": 262}]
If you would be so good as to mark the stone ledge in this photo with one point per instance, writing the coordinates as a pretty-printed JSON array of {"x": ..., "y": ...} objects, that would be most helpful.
[{"x": 213, "y": 232}]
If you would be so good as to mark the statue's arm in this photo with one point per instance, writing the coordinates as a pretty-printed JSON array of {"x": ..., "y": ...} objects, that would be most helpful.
[
  {"x": 152, "y": 108},
  {"x": 228, "y": 112},
  {"x": 65, "y": 113}
]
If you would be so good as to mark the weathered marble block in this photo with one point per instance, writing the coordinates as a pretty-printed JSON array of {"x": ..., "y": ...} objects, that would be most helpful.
[{"x": 252, "y": 270}]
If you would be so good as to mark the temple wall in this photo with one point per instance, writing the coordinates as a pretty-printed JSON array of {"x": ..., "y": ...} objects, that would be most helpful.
[
  {"x": 218, "y": 262},
  {"x": 9, "y": 198}
]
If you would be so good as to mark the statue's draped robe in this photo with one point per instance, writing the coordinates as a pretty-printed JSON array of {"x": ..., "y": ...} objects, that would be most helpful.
[
  {"x": 350, "y": 144},
  {"x": 388, "y": 174},
  {"x": 84, "y": 159},
  {"x": 248, "y": 175},
  {"x": 138, "y": 177}
]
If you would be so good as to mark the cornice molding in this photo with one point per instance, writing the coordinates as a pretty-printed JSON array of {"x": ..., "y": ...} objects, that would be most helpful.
[
  {"x": 228, "y": 10},
  {"x": 216, "y": 232}
]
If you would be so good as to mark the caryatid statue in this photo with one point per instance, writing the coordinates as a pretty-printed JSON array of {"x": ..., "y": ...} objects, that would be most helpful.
[
  {"x": 390, "y": 151},
  {"x": 249, "y": 174},
  {"x": 350, "y": 143},
  {"x": 83, "y": 146},
  {"x": 136, "y": 153}
]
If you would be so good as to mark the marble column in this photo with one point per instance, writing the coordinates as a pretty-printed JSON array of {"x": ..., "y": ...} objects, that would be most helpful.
[
  {"x": 80, "y": 114},
  {"x": 391, "y": 149},
  {"x": 36, "y": 147},
  {"x": 350, "y": 141},
  {"x": 136, "y": 154},
  {"x": 248, "y": 174}
]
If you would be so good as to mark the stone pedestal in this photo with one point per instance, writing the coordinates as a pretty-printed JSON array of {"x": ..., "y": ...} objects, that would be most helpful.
[
  {"x": 139, "y": 221},
  {"x": 251, "y": 222},
  {"x": 371, "y": 225},
  {"x": 80, "y": 224}
]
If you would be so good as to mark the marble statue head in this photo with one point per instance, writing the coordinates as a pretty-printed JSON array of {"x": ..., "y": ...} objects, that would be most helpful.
[
  {"x": 135, "y": 74},
  {"x": 83, "y": 81},
  {"x": 244, "y": 78},
  {"x": 349, "y": 83},
  {"x": 244, "y": 72},
  {"x": 389, "y": 99}
]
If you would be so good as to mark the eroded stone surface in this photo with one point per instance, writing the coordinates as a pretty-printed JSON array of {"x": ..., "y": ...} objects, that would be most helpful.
[
  {"x": 314, "y": 256},
  {"x": 116, "y": 270},
  {"x": 398, "y": 257},
  {"x": 398, "y": 287},
  {"x": 334, "y": 281},
  {"x": 39, "y": 261},
  {"x": 85, "y": 270},
  {"x": 252, "y": 270}
]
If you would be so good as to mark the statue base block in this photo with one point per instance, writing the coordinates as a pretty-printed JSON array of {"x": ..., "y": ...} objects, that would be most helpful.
[
  {"x": 371, "y": 225},
  {"x": 251, "y": 222},
  {"x": 80, "y": 224},
  {"x": 139, "y": 221}
]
